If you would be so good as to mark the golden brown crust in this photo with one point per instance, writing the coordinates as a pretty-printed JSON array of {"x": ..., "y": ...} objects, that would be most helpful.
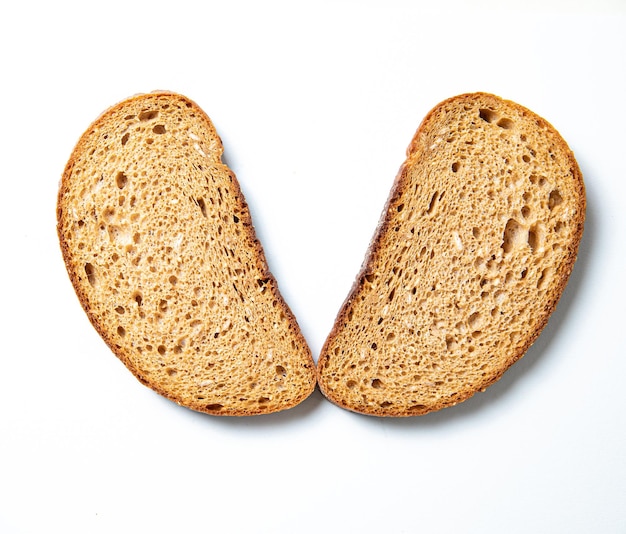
[
  {"x": 346, "y": 378},
  {"x": 284, "y": 345}
]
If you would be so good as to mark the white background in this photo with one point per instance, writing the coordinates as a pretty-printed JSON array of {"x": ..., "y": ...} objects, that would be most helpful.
[{"x": 315, "y": 103}]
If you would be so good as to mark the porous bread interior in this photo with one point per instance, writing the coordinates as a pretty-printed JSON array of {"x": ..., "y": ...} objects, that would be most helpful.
[
  {"x": 159, "y": 244},
  {"x": 473, "y": 251}
]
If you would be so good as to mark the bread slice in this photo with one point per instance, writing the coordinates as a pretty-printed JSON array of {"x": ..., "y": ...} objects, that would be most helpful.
[
  {"x": 159, "y": 245},
  {"x": 474, "y": 248}
]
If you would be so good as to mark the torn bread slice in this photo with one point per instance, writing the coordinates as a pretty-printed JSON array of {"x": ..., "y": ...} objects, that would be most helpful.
[
  {"x": 159, "y": 245},
  {"x": 474, "y": 248}
]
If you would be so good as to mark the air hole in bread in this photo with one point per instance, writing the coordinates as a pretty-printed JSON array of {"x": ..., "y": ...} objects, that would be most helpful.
[
  {"x": 261, "y": 282},
  {"x": 474, "y": 320},
  {"x": 433, "y": 201},
  {"x": 505, "y": 123},
  {"x": 377, "y": 383},
  {"x": 488, "y": 115},
  {"x": 171, "y": 371},
  {"x": 125, "y": 138},
  {"x": 451, "y": 343},
  {"x": 109, "y": 214},
  {"x": 121, "y": 331},
  {"x": 161, "y": 350},
  {"x": 500, "y": 295},
  {"x": 148, "y": 115},
  {"x": 544, "y": 278},
  {"x": 90, "y": 271},
  {"x": 455, "y": 166},
  {"x": 538, "y": 180},
  {"x": 214, "y": 407},
  {"x": 202, "y": 206},
  {"x": 514, "y": 236},
  {"x": 554, "y": 199},
  {"x": 159, "y": 129},
  {"x": 535, "y": 237},
  {"x": 138, "y": 298}
]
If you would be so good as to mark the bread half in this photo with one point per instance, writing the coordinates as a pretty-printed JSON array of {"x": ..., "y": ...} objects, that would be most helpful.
[
  {"x": 159, "y": 245},
  {"x": 474, "y": 248}
]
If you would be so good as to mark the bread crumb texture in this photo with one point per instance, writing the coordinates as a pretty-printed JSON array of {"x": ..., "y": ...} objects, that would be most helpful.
[
  {"x": 473, "y": 250},
  {"x": 159, "y": 245}
]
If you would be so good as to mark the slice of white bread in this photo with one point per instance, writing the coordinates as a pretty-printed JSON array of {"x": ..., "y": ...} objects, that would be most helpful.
[
  {"x": 159, "y": 245},
  {"x": 474, "y": 248}
]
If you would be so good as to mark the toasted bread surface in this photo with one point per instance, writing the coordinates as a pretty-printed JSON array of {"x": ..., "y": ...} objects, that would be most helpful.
[
  {"x": 473, "y": 250},
  {"x": 158, "y": 242}
]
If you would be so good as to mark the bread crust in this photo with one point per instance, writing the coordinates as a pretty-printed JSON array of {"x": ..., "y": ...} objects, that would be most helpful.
[
  {"x": 301, "y": 357},
  {"x": 416, "y": 156}
]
